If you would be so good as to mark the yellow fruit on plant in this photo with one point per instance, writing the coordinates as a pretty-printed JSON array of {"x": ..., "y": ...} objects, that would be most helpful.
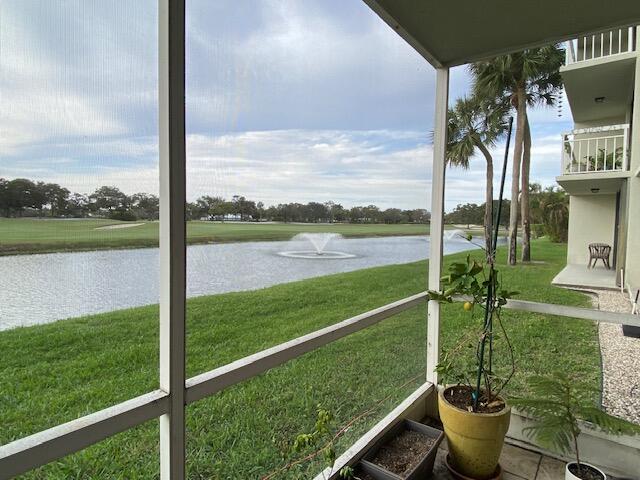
[{"x": 467, "y": 306}]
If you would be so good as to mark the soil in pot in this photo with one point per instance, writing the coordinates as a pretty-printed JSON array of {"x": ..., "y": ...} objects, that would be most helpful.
[
  {"x": 461, "y": 397},
  {"x": 403, "y": 452},
  {"x": 586, "y": 472}
]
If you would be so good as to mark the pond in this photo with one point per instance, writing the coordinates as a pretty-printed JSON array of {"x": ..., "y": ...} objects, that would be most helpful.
[{"x": 43, "y": 288}]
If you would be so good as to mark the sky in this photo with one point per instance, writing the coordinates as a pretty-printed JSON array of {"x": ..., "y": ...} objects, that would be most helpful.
[{"x": 287, "y": 100}]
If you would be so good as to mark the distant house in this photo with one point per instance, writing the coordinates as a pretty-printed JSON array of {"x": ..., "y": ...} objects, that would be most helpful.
[
  {"x": 601, "y": 158},
  {"x": 229, "y": 217}
]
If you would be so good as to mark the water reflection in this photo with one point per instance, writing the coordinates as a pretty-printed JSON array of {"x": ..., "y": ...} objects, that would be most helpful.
[{"x": 43, "y": 288}]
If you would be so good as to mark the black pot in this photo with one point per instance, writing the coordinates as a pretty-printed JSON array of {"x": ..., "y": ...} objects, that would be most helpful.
[{"x": 422, "y": 470}]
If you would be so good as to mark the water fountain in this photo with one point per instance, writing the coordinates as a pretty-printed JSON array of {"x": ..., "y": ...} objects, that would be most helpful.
[
  {"x": 319, "y": 241},
  {"x": 456, "y": 234}
]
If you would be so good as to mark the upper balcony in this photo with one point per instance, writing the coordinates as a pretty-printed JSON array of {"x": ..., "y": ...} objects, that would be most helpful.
[
  {"x": 596, "y": 150},
  {"x": 600, "y": 45},
  {"x": 599, "y": 76},
  {"x": 595, "y": 160}
]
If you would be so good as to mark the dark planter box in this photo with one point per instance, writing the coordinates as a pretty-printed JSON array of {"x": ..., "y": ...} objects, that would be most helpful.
[
  {"x": 631, "y": 331},
  {"x": 422, "y": 470}
]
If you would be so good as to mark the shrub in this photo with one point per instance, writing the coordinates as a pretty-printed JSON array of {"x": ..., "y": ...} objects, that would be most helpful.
[
  {"x": 123, "y": 215},
  {"x": 558, "y": 231}
]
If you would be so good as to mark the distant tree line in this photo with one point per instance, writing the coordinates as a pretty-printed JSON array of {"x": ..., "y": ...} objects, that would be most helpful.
[
  {"x": 240, "y": 208},
  {"x": 474, "y": 214},
  {"x": 23, "y": 197}
]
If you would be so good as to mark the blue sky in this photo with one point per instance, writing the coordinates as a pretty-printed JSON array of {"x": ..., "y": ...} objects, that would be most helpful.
[{"x": 286, "y": 101}]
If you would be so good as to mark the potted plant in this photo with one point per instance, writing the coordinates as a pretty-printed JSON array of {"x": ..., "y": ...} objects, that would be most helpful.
[
  {"x": 559, "y": 404},
  {"x": 407, "y": 452},
  {"x": 474, "y": 415}
]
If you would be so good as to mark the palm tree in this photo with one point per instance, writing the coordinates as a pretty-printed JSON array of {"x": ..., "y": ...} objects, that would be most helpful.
[
  {"x": 524, "y": 78},
  {"x": 473, "y": 124},
  {"x": 553, "y": 208},
  {"x": 542, "y": 90}
]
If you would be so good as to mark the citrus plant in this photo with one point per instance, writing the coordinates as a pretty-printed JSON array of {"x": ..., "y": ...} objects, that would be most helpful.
[{"x": 478, "y": 284}]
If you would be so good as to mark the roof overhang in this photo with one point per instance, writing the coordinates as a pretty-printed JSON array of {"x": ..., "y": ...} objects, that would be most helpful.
[
  {"x": 611, "y": 78},
  {"x": 455, "y": 32},
  {"x": 602, "y": 183}
]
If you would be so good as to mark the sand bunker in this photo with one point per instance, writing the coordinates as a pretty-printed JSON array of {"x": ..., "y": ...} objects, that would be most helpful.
[{"x": 119, "y": 225}]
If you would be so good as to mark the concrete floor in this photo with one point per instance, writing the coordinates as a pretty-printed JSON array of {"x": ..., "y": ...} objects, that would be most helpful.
[
  {"x": 580, "y": 276},
  {"x": 517, "y": 464}
]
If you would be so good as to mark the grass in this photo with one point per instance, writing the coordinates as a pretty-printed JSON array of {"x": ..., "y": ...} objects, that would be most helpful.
[
  {"x": 56, "y": 372},
  {"x": 26, "y": 235}
]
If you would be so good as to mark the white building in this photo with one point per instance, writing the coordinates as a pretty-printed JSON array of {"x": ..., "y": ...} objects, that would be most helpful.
[{"x": 601, "y": 158}]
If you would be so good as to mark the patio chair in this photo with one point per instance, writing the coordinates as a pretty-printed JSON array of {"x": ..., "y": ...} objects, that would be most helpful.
[{"x": 599, "y": 251}]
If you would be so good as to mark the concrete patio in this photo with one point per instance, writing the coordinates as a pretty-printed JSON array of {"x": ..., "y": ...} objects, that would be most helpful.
[
  {"x": 517, "y": 463},
  {"x": 580, "y": 276}
]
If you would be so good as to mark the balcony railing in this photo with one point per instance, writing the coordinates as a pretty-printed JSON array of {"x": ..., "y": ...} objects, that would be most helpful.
[
  {"x": 598, "y": 45},
  {"x": 601, "y": 149}
]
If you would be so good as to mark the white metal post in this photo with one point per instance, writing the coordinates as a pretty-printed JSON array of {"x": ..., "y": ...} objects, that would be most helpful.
[
  {"x": 611, "y": 42},
  {"x": 437, "y": 219},
  {"x": 571, "y": 51},
  {"x": 602, "y": 44},
  {"x": 620, "y": 41},
  {"x": 171, "y": 87}
]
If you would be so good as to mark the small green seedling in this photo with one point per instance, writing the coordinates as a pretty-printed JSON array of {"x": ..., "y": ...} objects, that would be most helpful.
[{"x": 322, "y": 438}]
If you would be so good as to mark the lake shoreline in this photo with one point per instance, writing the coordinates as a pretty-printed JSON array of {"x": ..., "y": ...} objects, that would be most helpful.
[
  {"x": 24, "y": 236},
  {"x": 36, "y": 249},
  {"x": 55, "y": 286}
]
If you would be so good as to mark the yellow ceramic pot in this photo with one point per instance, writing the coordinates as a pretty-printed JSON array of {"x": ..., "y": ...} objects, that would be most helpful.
[{"x": 475, "y": 439}]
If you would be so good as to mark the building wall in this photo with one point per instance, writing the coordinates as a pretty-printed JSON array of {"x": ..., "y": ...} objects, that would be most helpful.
[
  {"x": 622, "y": 230},
  {"x": 632, "y": 263},
  {"x": 591, "y": 220},
  {"x": 603, "y": 122},
  {"x": 592, "y": 217}
]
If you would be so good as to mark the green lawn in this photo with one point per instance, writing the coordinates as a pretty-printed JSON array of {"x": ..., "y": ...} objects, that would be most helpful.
[
  {"x": 23, "y": 235},
  {"x": 56, "y": 372}
]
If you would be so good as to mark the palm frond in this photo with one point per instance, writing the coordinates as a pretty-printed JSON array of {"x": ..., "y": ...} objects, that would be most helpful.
[{"x": 473, "y": 123}]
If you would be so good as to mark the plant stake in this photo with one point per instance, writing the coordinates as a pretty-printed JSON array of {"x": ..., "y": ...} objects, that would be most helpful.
[{"x": 488, "y": 311}]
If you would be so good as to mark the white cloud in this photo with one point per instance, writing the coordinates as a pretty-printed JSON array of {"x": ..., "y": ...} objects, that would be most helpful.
[
  {"x": 75, "y": 69},
  {"x": 303, "y": 165},
  {"x": 286, "y": 101},
  {"x": 386, "y": 168},
  {"x": 464, "y": 186}
]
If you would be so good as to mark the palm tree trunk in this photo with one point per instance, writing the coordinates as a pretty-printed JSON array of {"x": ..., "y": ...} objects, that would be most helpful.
[
  {"x": 524, "y": 200},
  {"x": 515, "y": 177},
  {"x": 488, "y": 208}
]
